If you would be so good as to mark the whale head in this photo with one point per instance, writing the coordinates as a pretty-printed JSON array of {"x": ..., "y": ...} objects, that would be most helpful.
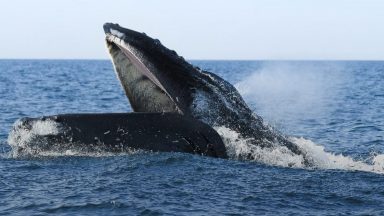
[{"x": 155, "y": 78}]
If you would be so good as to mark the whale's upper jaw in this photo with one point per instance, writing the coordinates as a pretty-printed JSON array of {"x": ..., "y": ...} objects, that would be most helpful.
[{"x": 154, "y": 78}]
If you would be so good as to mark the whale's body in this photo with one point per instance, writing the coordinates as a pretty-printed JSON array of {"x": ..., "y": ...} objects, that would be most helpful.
[{"x": 157, "y": 79}]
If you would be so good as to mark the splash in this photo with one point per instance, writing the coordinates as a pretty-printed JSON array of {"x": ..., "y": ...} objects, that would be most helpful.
[
  {"x": 296, "y": 92},
  {"x": 238, "y": 148},
  {"x": 32, "y": 141},
  {"x": 20, "y": 137}
]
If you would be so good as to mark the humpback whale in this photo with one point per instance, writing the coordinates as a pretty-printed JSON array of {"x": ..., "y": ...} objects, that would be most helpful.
[
  {"x": 176, "y": 106},
  {"x": 157, "y": 79}
]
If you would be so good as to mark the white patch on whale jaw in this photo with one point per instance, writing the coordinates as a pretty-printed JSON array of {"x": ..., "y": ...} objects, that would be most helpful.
[{"x": 117, "y": 33}]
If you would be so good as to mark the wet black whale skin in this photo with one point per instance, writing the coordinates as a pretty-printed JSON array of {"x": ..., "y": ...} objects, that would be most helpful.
[{"x": 119, "y": 132}]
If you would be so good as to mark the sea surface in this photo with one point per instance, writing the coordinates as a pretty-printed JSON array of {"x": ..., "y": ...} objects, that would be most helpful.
[{"x": 334, "y": 110}]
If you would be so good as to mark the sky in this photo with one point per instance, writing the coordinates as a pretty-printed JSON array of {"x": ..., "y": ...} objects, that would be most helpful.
[{"x": 198, "y": 29}]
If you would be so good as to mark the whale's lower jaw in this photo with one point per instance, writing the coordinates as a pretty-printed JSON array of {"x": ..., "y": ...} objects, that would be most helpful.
[{"x": 142, "y": 88}]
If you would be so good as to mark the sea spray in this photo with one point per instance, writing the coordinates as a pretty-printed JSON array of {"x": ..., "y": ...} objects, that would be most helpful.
[{"x": 281, "y": 90}]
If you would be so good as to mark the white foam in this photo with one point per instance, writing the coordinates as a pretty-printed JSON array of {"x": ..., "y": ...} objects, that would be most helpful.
[
  {"x": 327, "y": 160},
  {"x": 20, "y": 137},
  {"x": 238, "y": 148}
]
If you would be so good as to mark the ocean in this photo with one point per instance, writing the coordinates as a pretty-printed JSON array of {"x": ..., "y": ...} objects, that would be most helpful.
[{"x": 331, "y": 109}]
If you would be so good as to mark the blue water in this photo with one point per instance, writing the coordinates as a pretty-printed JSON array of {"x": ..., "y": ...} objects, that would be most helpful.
[{"x": 335, "y": 106}]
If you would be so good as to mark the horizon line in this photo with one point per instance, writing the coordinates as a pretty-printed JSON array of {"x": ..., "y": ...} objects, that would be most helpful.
[{"x": 108, "y": 59}]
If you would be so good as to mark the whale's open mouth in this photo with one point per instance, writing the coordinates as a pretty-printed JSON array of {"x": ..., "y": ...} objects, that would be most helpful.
[{"x": 141, "y": 80}]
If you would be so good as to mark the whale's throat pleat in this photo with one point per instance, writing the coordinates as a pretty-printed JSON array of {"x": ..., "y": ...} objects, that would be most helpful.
[{"x": 143, "y": 94}]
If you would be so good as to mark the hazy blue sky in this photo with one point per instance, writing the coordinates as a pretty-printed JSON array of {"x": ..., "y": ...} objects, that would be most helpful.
[{"x": 198, "y": 29}]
